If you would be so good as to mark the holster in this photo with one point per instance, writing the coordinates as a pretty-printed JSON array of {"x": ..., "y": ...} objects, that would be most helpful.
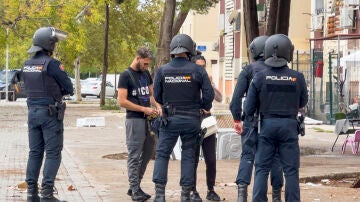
[
  {"x": 52, "y": 110},
  {"x": 301, "y": 125},
  {"x": 60, "y": 107}
]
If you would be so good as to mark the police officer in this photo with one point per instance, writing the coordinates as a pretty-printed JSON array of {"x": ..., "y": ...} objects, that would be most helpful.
[
  {"x": 183, "y": 89},
  {"x": 46, "y": 83},
  {"x": 247, "y": 131},
  {"x": 277, "y": 93}
]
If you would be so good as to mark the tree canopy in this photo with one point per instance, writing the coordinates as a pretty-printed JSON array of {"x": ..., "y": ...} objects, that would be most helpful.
[{"x": 132, "y": 24}]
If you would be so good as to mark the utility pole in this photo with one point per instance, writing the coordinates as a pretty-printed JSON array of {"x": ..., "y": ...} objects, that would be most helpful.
[{"x": 7, "y": 66}]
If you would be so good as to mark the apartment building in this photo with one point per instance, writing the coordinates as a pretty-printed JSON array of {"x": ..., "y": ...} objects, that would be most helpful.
[
  {"x": 220, "y": 35},
  {"x": 335, "y": 45}
]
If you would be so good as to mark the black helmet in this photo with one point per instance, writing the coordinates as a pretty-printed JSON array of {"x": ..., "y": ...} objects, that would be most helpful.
[
  {"x": 182, "y": 43},
  {"x": 256, "y": 47},
  {"x": 45, "y": 38},
  {"x": 278, "y": 50}
]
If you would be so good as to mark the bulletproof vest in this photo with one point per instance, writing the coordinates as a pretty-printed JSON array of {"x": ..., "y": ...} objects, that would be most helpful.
[
  {"x": 256, "y": 67},
  {"x": 38, "y": 84},
  {"x": 181, "y": 88},
  {"x": 280, "y": 92}
]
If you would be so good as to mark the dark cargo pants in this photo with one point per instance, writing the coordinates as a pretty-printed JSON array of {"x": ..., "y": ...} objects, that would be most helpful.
[{"x": 45, "y": 134}]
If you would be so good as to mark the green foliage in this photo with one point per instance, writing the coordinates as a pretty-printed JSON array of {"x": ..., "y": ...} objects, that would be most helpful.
[
  {"x": 110, "y": 104},
  {"x": 200, "y": 6},
  {"x": 131, "y": 25}
]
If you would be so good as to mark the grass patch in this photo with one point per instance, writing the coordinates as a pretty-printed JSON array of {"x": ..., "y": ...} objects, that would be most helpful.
[
  {"x": 322, "y": 130},
  {"x": 110, "y": 104}
]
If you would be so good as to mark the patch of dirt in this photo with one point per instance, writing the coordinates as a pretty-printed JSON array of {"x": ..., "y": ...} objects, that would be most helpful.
[{"x": 334, "y": 180}]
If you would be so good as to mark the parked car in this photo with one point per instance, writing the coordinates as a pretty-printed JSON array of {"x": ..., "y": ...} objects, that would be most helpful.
[
  {"x": 92, "y": 88},
  {"x": 16, "y": 86}
]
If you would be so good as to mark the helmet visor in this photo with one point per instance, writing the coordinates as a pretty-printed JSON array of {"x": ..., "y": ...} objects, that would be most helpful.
[{"x": 58, "y": 34}]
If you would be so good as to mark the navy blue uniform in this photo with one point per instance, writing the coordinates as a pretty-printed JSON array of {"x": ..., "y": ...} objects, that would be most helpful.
[
  {"x": 186, "y": 88},
  {"x": 277, "y": 93},
  {"x": 45, "y": 83},
  {"x": 249, "y": 135}
]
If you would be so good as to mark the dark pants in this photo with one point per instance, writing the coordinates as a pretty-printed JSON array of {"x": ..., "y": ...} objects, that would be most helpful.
[
  {"x": 209, "y": 149},
  {"x": 188, "y": 129},
  {"x": 277, "y": 134},
  {"x": 140, "y": 145},
  {"x": 45, "y": 134},
  {"x": 248, "y": 142}
]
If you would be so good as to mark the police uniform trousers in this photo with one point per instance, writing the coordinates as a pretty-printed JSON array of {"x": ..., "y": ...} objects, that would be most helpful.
[
  {"x": 45, "y": 134},
  {"x": 187, "y": 128},
  {"x": 249, "y": 139},
  {"x": 277, "y": 134}
]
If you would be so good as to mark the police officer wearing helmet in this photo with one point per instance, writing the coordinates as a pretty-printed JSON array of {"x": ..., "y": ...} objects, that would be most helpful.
[
  {"x": 183, "y": 88},
  {"x": 247, "y": 130},
  {"x": 277, "y": 93},
  {"x": 46, "y": 83}
]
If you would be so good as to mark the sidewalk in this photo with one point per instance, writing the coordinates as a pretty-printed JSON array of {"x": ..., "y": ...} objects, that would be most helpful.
[{"x": 100, "y": 179}]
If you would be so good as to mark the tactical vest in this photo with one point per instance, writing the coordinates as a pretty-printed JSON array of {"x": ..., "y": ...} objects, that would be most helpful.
[
  {"x": 280, "y": 94},
  {"x": 181, "y": 88},
  {"x": 254, "y": 68},
  {"x": 38, "y": 84}
]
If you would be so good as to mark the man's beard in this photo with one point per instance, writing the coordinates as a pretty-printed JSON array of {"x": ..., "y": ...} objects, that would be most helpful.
[{"x": 138, "y": 67}]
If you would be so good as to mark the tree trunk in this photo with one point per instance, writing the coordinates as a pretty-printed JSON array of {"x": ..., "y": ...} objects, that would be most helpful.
[
  {"x": 105, "y": 65},
  {"x": 179, "y": 20},
  {"x": 250, "y": 20},
  {"x": 283, "y": 17},
  {"x": 251, "y": 23},
  {"x": 272, "y": 17},
  {"x": 165, "y": 35},
  {"x": 77, "y": 80}
]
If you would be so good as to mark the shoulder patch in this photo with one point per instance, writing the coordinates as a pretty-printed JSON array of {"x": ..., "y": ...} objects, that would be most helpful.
[{"x": 61, "y": 67}]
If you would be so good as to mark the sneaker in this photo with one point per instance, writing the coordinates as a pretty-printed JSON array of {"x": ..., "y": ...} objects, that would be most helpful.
[
  {"x": 212, "y": 196},
  {"x": 139, "y": 196},
  {"x": 129, "y": 193},
  {"x": 145, "y": 194},
  {"x": 195, "y": 196}
]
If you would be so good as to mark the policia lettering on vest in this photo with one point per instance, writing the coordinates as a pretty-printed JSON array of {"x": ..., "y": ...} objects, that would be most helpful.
[
  {"x": 247, "y": 125},
  {"x": 277, "y": 94},
  {"x": 183, "y": 89}
]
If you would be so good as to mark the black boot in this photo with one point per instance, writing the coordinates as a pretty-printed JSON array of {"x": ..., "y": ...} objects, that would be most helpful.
[
  {"x": 195, "y": 196},
  {"x": 159, "y": 193},
  {"x": 32, "y": 194},
  {"x": 242, "y": 193},
  {"x": 47, "y": 195},
  {"x": 185, "y": 194},
  {"x": 276, "y": 195}
]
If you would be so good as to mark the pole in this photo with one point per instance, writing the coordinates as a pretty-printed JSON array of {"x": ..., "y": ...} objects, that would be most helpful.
[
  {"x": 7, "y": 67},
  {"x": 330, "y": 89},
  {"x": 312, "y": 68}
]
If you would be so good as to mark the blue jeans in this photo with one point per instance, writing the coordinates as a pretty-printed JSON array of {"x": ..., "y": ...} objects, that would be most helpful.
[
  {"x": 45, "y": 135},
  {"x": 277, "y": 134},
  {"x": 248, "y": 142},
  {"x": 188, "y": 129}
]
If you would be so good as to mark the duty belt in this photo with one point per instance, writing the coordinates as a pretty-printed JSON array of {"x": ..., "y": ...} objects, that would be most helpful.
[
  {"x": 269, "y": 116},
  {"x": 186, "y": 113}
]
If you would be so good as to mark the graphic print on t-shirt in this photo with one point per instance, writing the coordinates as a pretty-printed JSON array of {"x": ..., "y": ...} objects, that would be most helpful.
[{"x": 143, "y": 91}]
